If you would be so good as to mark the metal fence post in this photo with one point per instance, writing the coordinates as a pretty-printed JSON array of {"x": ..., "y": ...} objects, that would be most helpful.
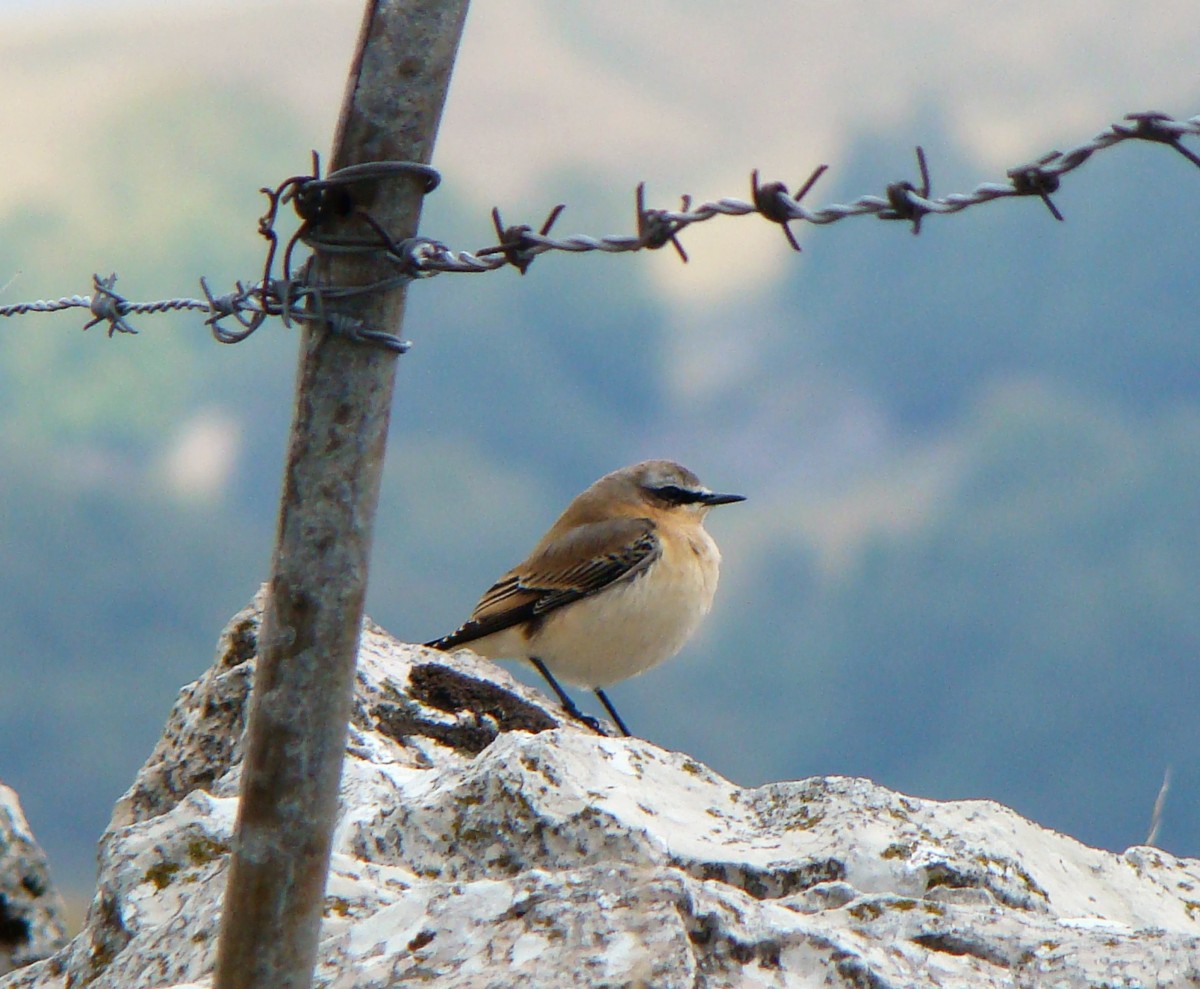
[{"x": 307, "y": 650}]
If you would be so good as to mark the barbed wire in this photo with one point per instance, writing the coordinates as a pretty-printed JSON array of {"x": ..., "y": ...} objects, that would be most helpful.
[{"x": 290, "y": 296}]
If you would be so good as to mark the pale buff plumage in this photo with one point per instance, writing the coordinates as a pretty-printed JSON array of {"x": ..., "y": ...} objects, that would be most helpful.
[{"x": 617, "y": 586}]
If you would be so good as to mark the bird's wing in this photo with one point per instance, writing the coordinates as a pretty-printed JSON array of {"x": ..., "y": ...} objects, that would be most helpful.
[{"x": 583, "y": 561}]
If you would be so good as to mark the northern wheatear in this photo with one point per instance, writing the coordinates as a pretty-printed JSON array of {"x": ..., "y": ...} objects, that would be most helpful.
[{"x": 618, "y": 584}]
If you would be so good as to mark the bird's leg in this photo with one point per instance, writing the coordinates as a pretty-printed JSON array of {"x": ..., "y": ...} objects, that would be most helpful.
[
  {"x": 612, "y": 712},
  {"x": 564, "y": 699}
]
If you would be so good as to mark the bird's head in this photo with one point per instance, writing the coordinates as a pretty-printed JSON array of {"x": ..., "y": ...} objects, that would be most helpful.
[{"x": 667, "y": 486}]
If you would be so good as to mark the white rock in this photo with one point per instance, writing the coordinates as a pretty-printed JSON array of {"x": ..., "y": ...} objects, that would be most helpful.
[
  {"x": 542, "y": 855},
  {"x": 31, "y": 911}
]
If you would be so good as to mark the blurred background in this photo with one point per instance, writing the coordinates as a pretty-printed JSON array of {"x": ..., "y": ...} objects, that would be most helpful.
[{"x": 968, "y": 563}]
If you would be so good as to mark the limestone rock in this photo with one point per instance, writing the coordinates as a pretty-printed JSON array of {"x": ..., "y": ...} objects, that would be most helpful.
[
  {"x": 485, "y": 841},
  {"x": 31, "y": 911}
]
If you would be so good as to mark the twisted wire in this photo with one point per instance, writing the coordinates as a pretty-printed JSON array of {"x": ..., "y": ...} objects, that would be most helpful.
[
  {"x": 315, "y": 199},
  {"x": 905, "y": 202},
  {"x": 85, "y": 302}
]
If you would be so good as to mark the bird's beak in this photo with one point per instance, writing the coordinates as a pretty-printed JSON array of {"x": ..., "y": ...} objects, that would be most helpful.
[{"x": 710, "y": 499}]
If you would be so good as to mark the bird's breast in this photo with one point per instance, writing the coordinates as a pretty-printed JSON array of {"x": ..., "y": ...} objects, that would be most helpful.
[{"x": 634, "y": 624}]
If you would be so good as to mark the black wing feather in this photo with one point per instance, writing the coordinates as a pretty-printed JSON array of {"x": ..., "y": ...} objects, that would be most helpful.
[{"x": 623, "y": 548}]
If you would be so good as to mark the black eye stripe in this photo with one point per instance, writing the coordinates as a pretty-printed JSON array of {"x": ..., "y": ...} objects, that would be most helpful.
[{"x": 675, "y": 494}]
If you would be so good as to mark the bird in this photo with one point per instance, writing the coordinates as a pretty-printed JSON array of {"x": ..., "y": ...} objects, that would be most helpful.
[{"x": 616, "y": 586}]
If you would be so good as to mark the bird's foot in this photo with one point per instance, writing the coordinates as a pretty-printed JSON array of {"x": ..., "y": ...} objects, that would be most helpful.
[{"x": 586, "y": 719}]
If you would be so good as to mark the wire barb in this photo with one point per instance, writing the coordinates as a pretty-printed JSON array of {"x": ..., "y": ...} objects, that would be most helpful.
[
  {"x": 773, "y": 201},
  {"x": 1161, "y": 128},
  {"x": 108, "y": 307},
  {"x": 907, "y": 201},
  {"x": 659, "y": 227},
  {"x": 516, "y": 245},
  {"x": 1034, "y": 179}
]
